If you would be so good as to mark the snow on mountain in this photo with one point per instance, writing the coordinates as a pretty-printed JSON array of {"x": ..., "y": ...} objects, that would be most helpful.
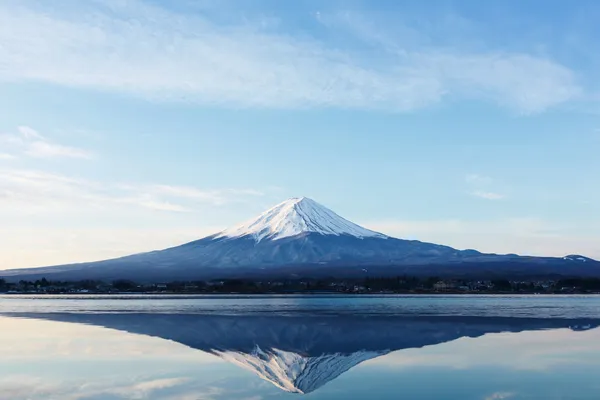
[
  {"x": 294, "y": 217},
  {"x": 293, "y": 372},
  {"x": 576, "y": 257}
]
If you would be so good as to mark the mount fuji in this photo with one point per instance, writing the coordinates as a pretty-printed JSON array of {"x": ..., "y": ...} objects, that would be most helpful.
[
  {"x": 295, "y": 217},
  {"x": 300, "y": 237}
]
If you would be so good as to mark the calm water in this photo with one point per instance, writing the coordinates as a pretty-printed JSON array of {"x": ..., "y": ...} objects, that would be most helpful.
[{"x": 327, "y": 347}]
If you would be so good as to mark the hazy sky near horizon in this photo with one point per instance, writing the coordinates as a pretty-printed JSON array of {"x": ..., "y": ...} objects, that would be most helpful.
[{"x": 129, "y": 125}]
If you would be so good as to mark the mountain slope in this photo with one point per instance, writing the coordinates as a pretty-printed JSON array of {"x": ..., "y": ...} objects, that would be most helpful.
[{"x": 302, "y": 237}]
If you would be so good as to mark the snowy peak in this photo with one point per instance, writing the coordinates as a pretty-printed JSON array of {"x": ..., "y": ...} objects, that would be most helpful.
[
  {"x": 293, "y": 372},
  {"x": 294, "y": 217},
  {"x": 577, "y": 257}
]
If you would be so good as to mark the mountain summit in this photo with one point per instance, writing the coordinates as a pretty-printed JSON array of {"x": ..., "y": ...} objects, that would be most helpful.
[
  {"x": 294, "y": 217},
  {"x": 301, "y": 238}
]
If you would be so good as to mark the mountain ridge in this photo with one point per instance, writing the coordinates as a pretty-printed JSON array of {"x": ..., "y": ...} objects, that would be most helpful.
[{"x": 303, "y": 236}]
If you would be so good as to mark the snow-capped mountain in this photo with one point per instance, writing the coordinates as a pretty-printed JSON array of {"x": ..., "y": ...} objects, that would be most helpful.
[
  {"x": 300, "y": 237},
  {"x": 294, "y": 217}
]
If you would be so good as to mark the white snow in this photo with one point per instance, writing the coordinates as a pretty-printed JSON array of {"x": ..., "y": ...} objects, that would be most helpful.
[
  {"x": 296, "y": 216},
  {"x": 575, "y": 258},
  {"x": 293, "y": 372}
]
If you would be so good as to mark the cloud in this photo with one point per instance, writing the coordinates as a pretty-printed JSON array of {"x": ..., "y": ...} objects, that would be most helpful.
[
  {"x": 144, "y": 389},
  {"x": 24, "y": 386},
  {"x": 30, "y": 133},
  {"x": 43, "y": 149},
  {"x": 214, "y": 196},
  {"x": 31, "y": 190},
  {"x": 108, "y": 386},
  {"x": 488, "y": 195},
  {"x": 6, "y": 156},
  {"x": 31, "y": 143},
  {"x": 203, "y": 392},
  {"x": 142, "y": 50},
  {"x": 526, "y": 236},
  {"x": 480, "y": 187},
  {"x": 500, "y": 396},
  {"x": 154, "y": 204},
  {"x": 65, "y": 245},
  {"x": 122, "y": 218},
  {"x": 27, "y": 386},
  {"x": 523, "y": 82},
  {"x": 35, "y": 191},
  {"x": 477, "y": 179}
]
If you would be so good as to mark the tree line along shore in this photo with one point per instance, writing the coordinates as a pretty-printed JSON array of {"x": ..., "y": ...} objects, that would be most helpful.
[{"x": 368, "y": 285}]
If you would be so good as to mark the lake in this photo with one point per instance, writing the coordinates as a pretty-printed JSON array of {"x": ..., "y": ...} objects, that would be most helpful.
[{"x": 314, "y": 347}]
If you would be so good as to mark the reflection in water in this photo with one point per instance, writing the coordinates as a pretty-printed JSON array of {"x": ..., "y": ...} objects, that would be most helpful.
[{"x": 300, "y": 354}]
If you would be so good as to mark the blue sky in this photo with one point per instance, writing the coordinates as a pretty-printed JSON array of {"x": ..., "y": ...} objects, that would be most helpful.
[{"x": 127, "y": 126}]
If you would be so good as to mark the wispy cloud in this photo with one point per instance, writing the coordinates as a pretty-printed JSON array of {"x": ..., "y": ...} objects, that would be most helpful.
[
  {"x": 153, "y": 204},
  {"x": 44, "y": 149},
  {"x": 214, "y": 196},
  {"x": 478, "y": 179},
  {"x": 31, "y": 143},
  {"x": 16, "y": 386},
  {"x": 480, "y": 187},
  {"x": 521, "y": 235},
  {"x": 65, "y": 245},
  {"x": 39, "y": 191},
  {"x": 6, "y": 156},
  {"x": 93, "y": 220},
  {"x": 110, "y": 386},
  {"x": 500, "y": 396},
  {"x": 142, "y": 390},
  {"x": 28, "y": 386},
  {"x": 488, "y": 195},
  {"x": 143, "y": 50}
]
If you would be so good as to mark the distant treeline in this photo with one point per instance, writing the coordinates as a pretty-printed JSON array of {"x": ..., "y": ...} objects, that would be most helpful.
[{"x": 399, "y": 284}]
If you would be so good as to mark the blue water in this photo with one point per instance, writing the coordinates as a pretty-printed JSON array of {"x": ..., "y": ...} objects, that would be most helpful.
[
  {"x": 314, "y": 347},
  {"x": 511, "y": 306}
]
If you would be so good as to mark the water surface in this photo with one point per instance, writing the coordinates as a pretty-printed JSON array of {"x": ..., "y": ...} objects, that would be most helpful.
[{"x": 321, "y": 347}]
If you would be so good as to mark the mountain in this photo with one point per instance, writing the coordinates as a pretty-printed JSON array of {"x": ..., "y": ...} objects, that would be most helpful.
[
  {"x": 302, "y": 353},
  {"x": 295, "y": 217},
  {"x": 300, "y": 237}
]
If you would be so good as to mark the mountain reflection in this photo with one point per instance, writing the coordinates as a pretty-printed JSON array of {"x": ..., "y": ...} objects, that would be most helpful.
[{"x": 300, "y": 354}]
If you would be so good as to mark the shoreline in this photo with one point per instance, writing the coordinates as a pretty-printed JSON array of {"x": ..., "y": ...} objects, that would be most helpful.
[{"x": 291, "y": 294}]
